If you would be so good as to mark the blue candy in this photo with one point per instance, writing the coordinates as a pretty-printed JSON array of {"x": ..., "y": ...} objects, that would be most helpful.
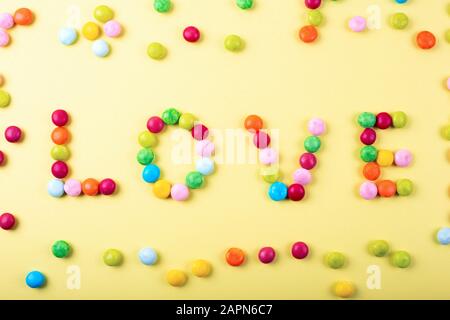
[
  {"x": 35, "y": 279},
  {"x": 443, "y": 236},
  {"x": 68, "y": 36},
  {"x": 151, "y": 173},
  {"x": 148, "y": 256},
  {"x": 278, "y": 191},
  {"x": 101, "y": 48},
  {"x": 55, "y": 188},
  {"x": 205, "y": 166},
  {"x": 401, "y": 1}
]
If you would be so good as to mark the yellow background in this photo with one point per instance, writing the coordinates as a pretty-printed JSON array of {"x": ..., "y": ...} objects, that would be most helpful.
[{"x": 278, "y": 77}]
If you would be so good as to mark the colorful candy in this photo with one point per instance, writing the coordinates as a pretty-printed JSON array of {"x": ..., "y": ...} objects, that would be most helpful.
[
  {"x": 2, "y": 158},
  {"x": 302, "y": 176},
  {"x": 367, "y": 120},
  {"x": 7, "y": 221},
  {"x": 443, "y": 236},
  {"x": 378, "y": 248},
  {"x": 147, "y": 139},
  {"x": 103, "y": 14},
  {"x": 23, "y": 16},
  {"x": 368, "y": 190},
  {"x": 91, "y": 31},
  {"x": 155, "y": 124},
  {"x": 107, "y": 187},
  {"x": 235, "y": 257},
  {"x": 194, "y": 180},
  {"x": 308, "y": 34},
  {"x": 204, "y": 166},
  {"x": 60, "y": 135},
  {"x": 101, "y": 48},
  {"x": 244, "y": 4},
  {"x": 205, "y": 148},
  {"x": 268, "y": 156},
  {"x": 68, "y": 36},
  {"x": 266, "y": 255},
  {"x": 399, "y": 119},
  {"x": 191, "y": 34},
  {"x": 90, "y": 187},
  {"x": 357, "y": 24},
  {"x": 317, "y": 127},
  {"x": 162, "y": 6},
  {"x": 344, "y": 289},
  {"x": 385, "y": 158},
  {"x": 201, "y": 268},
  {"x": 253, "y": 123},
  {"x": 313, "y": 4},
  {"x": 300, "y": 250},
  {"x": 401, "y": 1},
  {"x": 61, "y": 249},
  {"x": 145, "y": 156},
  {"x": 446, "y": 132},
  {"x": 399, "y": 21},
  {"x": 6, "y": 21},
  {"x": 199, "y": 132},
  {"x": 179, "y": 192},
  {"x": 278, "y": 191},
  {"x": 60, "y": 169},
  {"x": 55, "y": 188},
  {"x": 113, "y": 29},
  {"x": 368, "y": 153},
  {"x": 60, "y": 118},
  {"x": 425, "y": 40},
  {"x": 312, "y": 144},
  {"x": 296, "y": 192},
  {"x": 4, "y": 38},
  {"x": 112, "y": 257},
  {"x": 368, "y": 136},
  {"x": 233, "y": 43},
  {"x": 148, "y": 256},
  {"x": 401, "y": 259},
  {"x": 308, "y": 161},
  {"x": 404, "y": 187},
  {"x": 35, "y": 279},
  {"x": 176, "y": 278},
  {"x": 5, "y": 98},
  {"x": 384, "y": 120},
  {"x": 161, "y": 189},
  {"x": 60, "y": 153},
  {"x": 371, "y": 171},
  {"x": 315, "y": 17},
  {"x": 72, "y": 188},
  {"x": 156, "y": 51},
  {"x": 187, "y": 121},
  {"x": 13, "y": 134},
  {"x": 386, "y": 188},
  {"x": 335, "y": 260},
  {"x": 403, "y": 158}
]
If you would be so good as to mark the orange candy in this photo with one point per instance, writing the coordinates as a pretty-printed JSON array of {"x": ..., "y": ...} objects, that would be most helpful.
[
  {"x": 253, "y": 123},
  {"x": 386, "y": 188},
  {"x": 90, "y": 187},
  {"x": 371, "y": 171},
  {"x": 308, "y": 34},
  {"x": 24, "y": 17},
  {"x": 235, "y": 257},
  {"x": 426, "y": 40},
  {"x": 60, "y": 135}
]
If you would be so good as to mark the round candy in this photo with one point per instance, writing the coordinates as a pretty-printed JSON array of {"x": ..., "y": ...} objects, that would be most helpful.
[
  {"x": 278, "y": 191},
  {"x": 147, "y": 139},
  {"x": 233, "y": 43},
  {"x": 261, "y": 140},
  {"x": 161, "y": 189},
  {"x": 205, "y": 148},
  {"x": 299, "y": 250},
  {"x": 162, "y": 6},
  {"x": 151, "y": 173},
  {"x": 68, "y": 36},
  {"x": 60, "y": 169},
  {"x": 176, "y": 278},
  {"x": 403, "y": 158},
  {"x": 155, "y": 124},
  {"x": 368, "y": 190},
  {"x": 244, "y": 4},
  {"x": 13, "y": 134},
  {"x": 308, "y": 34},
  {"x": 308, "y": 161},
  {"x": 55, "y": 188},
  {"x": 404, "y": 187},
  {"x": 386, "y": 188},
  {"x": 367, "y": 120},
  {"x": 447, "y": 35},
  {"x": 5, "y": 98},
  {"x": 35, "y": 279},
  {"x": 145, "y": 156},
  {"x": 235, "y": 257},
  {"x": 23, "y": 17},
  {"x": 399, "y": 119},
  {"x": 91, "y": 31},
  {"x": 171, "y": 116},
  {"x": 148, "y": 256},
  {"x": 371, "y": 171},
  {"x": 313, "y": 4},
  {"x": 315, "y": 17},
  {"x": 344, "y": 289},
  {"x": 357, "y": 24},
  {"x": 335, "y": 260},
  {"x": 60, "y": 153},
  {"x": 368, "y": 136},
  {"x": 201, "y": 268},
  {"x": 312, "y": 144},
  {"x": 179, "y": 192},
  {"x": 186, "y": 121},
  {"x": 101, "y": 48},
  {"x": 4, "y": 38},
  {"x": 425, "y": 40},
  {"x": 266, "y": 255},
  {"x": 401, "y": 259},
  {"x": 384, "y": 120},
  {"x": 2, "y": 158},
  {"x": 253, "y": 123},
  {"x": 317, "y": 126},
  {"x": 296, "y": 192},
  {"x": 194, "y": 180},
  {"x": 113, "y": 29},
  {"x": 378, "y": 248},
  {"x": 112, "y": 257},
  {"x": 368, "y": 153},
  {"x": 205, "y": 166},
  {"x": 107, "y": 187},
  {"x": 385, "y": 158},
  {"x": 191, "y": 34},
  {"x": 399, "y": 21},
  {"x": 103, "y": 13},
  {"x": 446, "y": 132},
  {"x": 6, "y": 21},
  {"x": 61, "y": 249},
  {"x": 60, "y": 118},
  {"x": 270, "y": 174},
  {"x": 7, "y": 221},
  {"x": 90, "y": 187},
  {"x": 302, "y": 176},
  {"x": 60, "y": 135},
  {"x": 199, "y": 132},
  {"x": 156, "y": 51},
  {"x": 72, "y": 188},
  {"x": 443, "y": 236},
  {"x": 268, "y": 156},
  {"x": 401, "y": 1}
]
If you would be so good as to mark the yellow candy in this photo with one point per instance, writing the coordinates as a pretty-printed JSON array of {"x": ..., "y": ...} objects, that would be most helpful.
[
  {"x": 91, "y": 31},
  {"x": 344, "y": 289},
  {"x": 201, "y": 268},
  {"x": 270, "y": 174},
  {"x": 176, "y": 278},
  {"x": 385, "y": 158},
  {"x": 161, "y": 189}
]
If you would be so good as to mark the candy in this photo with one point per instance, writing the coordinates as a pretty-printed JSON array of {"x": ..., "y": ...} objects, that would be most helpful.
[
  {"x": 371, "y": 171},
  {"x": 233, "y": 43},
  {"x": 447, "y": 35},
  {"x": 315, "y": 17},
  {"x": 113, "y": 29},
  {"x": 101, "y": 48},
  {"x": 443, "y": 236},
  {"x": 384, "y": 120},
  {"x": 367, "y": 120},
  {"x": 60, "y": 169},
  {"x": 317, "y": 126},
  {"x": 171, "y": 116},
  {"x": 155, "y": 124},
  {"x": 156, "y": 51},
  {"x": 261, "y": 140},
  {"x": 35, "y": 279},
  {"x": 268, "y": 156},
  {"x": 194, "y": 180},
  {"x": 148, "y": 256},
  {"x": 235, "y": 257},
  {"x": 399, "y": 119},
  {"x": 357, "y": 24},
  {"x": 60, "y": 118},
  {"x": 296, "y": 192},
  {"x": 151, "y": 173},
  {"x": 299, "y": 250},
  {"x": 6, "y": 21},
  {"x": 368, "y": 190},
  {"x": 313, "y": 4},
  {"x": 162, "y": 6},
  {"x": 244, "y": 4},
  {"x": 386, "y": 188},
  {"x": 103, "y": 14},
  {"x": 61, "y": 249},
  {"x": 2, "y": 158},
  {"x": 191, "y": 34},
  {"x": 378, "y": 248},
  {"x": 205, "y": 166},
  {"x": 404, "y": 187},
  {"x": 147, "y": 139},
  {"x": 385, "y": 158},
  {"x": 7, "y": 221},
  {"x": 5, "y": 98},
  {"x": 368, "y": 136},
  {"x": 446, "y": 132},
  {"x": 72, "y": 188},
  {"x": 4, "y": 38},
  {"x": 312, "y": 144},
  {"x": 308, "y": 161},
  {"x": 60, "y": 153},
  {"x": 201, "y": 268},
  {"x": 176, "y": 278},
  {"x": 13, "y": 134},
  {"x": 399, "y": 21},
  {"x": 90, "y": 187},
  {"x": 179, "y": 192},
  {"x": 335, "y": 260},
  {"x": 401, "y": 1},
  {"x": 368, "y": 153},
  {"x": 23, "y": 17},
  {"x": 270, "y": 174},
  {"x": 205, "y": 148},
  {"x": 403, "y": 158},
  {"x": 425, "y": 40},
  {"x": 199, "y": 132},
  {"x": 308, "y": 34},
  {"x": 68, "y": 36},
  {"x": 107, "y": 187},
  {"x": 266, "y": 255},
  {"x": 145, "y": 156},
  {"x": 302, "y": 176},
  {"x": 91, "y": 31},
  {"x": 112, "y": 257},
  {"x": 161, "y": 189},
  {"x": 278, "y": 191},
  {"x": 186, "y": 121},
  {"x": 253, "y": 123},
  {"x": 55, "y": 188},
  {"x": 344, "y": 289},
  {"x": 401, "y": 259},
  {"x": 60, "y": 135}
]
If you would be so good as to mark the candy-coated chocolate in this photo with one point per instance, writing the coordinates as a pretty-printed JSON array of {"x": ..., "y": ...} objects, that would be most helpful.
[
  {"x": 201, "y": 268},
  {"x": 147, "y": 139},
  {"x": 171, "y": 116},
  {"x": 155, "y": 124},
  {"x": 357, "y": 24},
  {"x": 60, "y": 135},
  {"x": 371, "y": 171},
  {"x": 2, "y": 158},
  {"x": 384, "y": 120},
  {"x": 261, "y": 140},
  {"x": 368, "y": 136},
  {"x": 386, "y": 188},
  {"x": 91, "y": 31},
  {"x": 268, "y": 156},
  {"x": 90, "y": 187},
  {"x": 315, "y": 17},
  {"x": 194, "y": 180},
  {"x": 176, "y": 278},
  {"x": 344, "y": 289},
  {"x": 7, "y": 221},
  {"x": 162, "y": 6},
  {"x": 191, "y": 34},
  {"x": 278, "y": 191},
  {"x": 308, "y": 33},
  {"x": 5, "y": 98},
  {"x": 187, "y": 121},
  {"x": 61, "y": 249},
  {"x": 401, "y": 259},
  {"x": 13, "y": 134},
  {"x": 60, "y": 153},
  {"x": 313, "y": 4},
  {"x": 367, "y": 119},
  {"x": 235, "y": 257},
  {"x": 148, "y": 256},
  {"x": 156, "y": 51},
  {"x": 4, "y": 38},
  {"x": 113, "y": 29},
  {"x": 270, "y": 174},
  {"x": 199, "y": 132},
  {"x": 426, "y": 40},
  {"x": 55, "y": 188},
  {"x": 378, "y": 248},
  {"x": 296, "y": 192},
  {"x": 253, "y": 123},
  {"x": 60, "y": 118},
  {"x": 233, "y": 43},
  {"x": 368, "y": 153},
  {"x": 403, "y": 158},
  {"x": 151, "y": 173},
  {"x": 266, "y": 255},
  {"x": 205, "y": 148},
  {"x": 205, "y": 166},
  {"x": 302, "y": 176},
  {"x": 72, "y": 188},
  {"x": 101, "y": 48},
  {"x": 312, "y": 144},
  {"x": 145, "y": 156},
  {"x": 244, "y": 4},
  {"x": 68, "y": 36},
  {"x": 35, "y": 279},
  {"x": 399, "y": 119},
  {"x": 60, "y": 169},
  {"x": 103, "y": 13},
  {"x": 385, "y": 158},
  {"x": 404, "y": 187},
  {"x": 317, "y": 126},
  {"x": 6, "y": 21},
  {"x": 308, "y": 161},
  {"x": 300, "y": 250},
  {"x": 161, "y": 189},
  {"x": 368, "y": 190},
  {"x": 335, "y": 260},
  {"x": 107, "y": 187},
  {"x": 179, "y": 192},
  {"x": 112, "y": 257},
  {"x": 23, "y": 17},
  {"x": 399, "y": 20},
  {"x": 443, "y": 236}
]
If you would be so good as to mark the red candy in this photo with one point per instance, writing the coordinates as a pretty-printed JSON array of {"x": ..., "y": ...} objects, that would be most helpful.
[
  {"x": 308, "y": 161},
  {"x": 191, "y": 34},
  {"x": 261, "y": 140},
  {"x": 107, "y": 187},
  {"x": 2, "y": 158},
  {"x": 60, "y": 118},
  {"x": 24, "y": 17},
  {"x": 266, "y": 255},
  {"x": 296, "y": 192},
  {"x": 7, "y": 221},
  {"x": 313, "y": 4},
  {"x": 60, "y": 169},
  {"x": 13, "y": 134},
  {"x": 384, "y": 120},
  {"x": 199, "y": 132},
  {"x": 368, "y": 136},
  {"x": 300, "y": 250},
  {"x": 155, "y": 124}
]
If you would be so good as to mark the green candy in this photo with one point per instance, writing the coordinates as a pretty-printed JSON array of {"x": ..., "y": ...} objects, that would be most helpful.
[
  {"x": 401, "y": 259},
  {"x": 270, "y": 174},
  {"x": 404, "y": 187},
  {"x": 145, "y": 156},
  {"x": 378, "y": 248},
  {"x": 244, "y": 4},
  {"x": 446, "y": 132},
  {"x": 447, "y": 35},
  {"x": 194, "y": 180},
  {"x": 233, "y": 43},
  {"x": 113, "y": 257},
  {"x": 162, "y": 6},
  {"x": 103, "y": 13},
  {"x": 156, "y": 50},
  {"x": 399, "y": 119},
  {"x": 312, "y": 144},
  {"x": 187, "y": 121},
  {"x": 171, "y": 116},
  {"x": 61, "y": 249},
  {"x": 368, "y": 153},
  {"x": 335, "y": 260},
  {"x": 399, "y": 20},
  {"x": 5, "y": 99},
  {"x": 60, "y": 153},
  {"x": 367, "y": 120},
  {"x": 147, "y": 139},
  {"x": 315, "y": 17}
]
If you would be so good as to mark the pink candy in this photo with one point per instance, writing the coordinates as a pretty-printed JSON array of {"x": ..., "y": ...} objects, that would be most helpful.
[
  {"x": 403, "y": 158},
  {"x": 112, "y": 29},
  {"x": 316, "y": 126},
  {"x": 155, "y": 124},
  {"x": 191, "y": 34},
  {"x": 13, "y": 134},
  {"x": 357, "y": 24},
  {"x": 60, "y": 169},
  {"x": 6, "y": 21},
  {"x": 266, "y": 255},
  {"x": 179, "y": 192},
  {"x": 60, "y": 118},
  {"x": 72, "y": 188},
  {"x": 4, "y": 38},
  {"x": 205, "y": 148},
  {"x": 313, "y": 4},
  {"x": 308, "y": 161},
  {"x": 299, "y": 250},
  {"x": 302, "y": 176},
  {"x": 268, "y": 156},
  {"x": 107, "y": 187},
  {"x": 448, "y": 83},
  {"x": 368, "y": 190}
]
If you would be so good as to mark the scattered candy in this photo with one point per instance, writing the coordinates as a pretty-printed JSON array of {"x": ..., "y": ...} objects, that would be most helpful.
[
  {"x": 368, "y": 190},
  {"x": 313, "y": 4},
  {"x": 148, "y": 256},
  {"x": 385, "y": 158},
  {"x": 103, "y": 14},
  {"x": 23, "y": 16},
  {"x": 235, "y": 257},
  {"x": 179, "y": 192},
  {"x": 404, "y": 187},
  {"x": 107, "y": 187},
  {"x": 171, "y": 116},
  {"x": 191, "y": 34},
  {"x": 403, "y": 158},
  {"x": 299, "y": 250},
  {"x": 425, "y": 40},
  {"x": 113, "y": 29},
  {"x": 112, "y": 257},
  {"x": 270, "y": 174},
  {"x": 401, "y": 259},
  {"x": 446, "y": 132},
  {"x": 378, "y": 248},
  {"x": 302, "y": 176},
  {"x": 35, "y": 279},
  {"x": 4, "y": 38},
  {"x": 399, "y": 21},
  {"x": 60, "y": 118},
  {"x": 5, "y": 98},
  {"x": 61, "y": 249},
  {"x": 443, "y": 236},
  {"x": 371, "y": 171},
  {"x": 68, "y": 36},
  {"x": 201, "y": 268},
  {"x": 335, "y": 260},
  {"x": 357, "y": 24},
  {"x": 91, "y": 31},
  {"x": 162, "y": 6},
  {"x": 6, "y": 21},
  {"x": 233, "y": 43},
  {"x": 308, "y": 34},
  {"x": 317, "y": 126},
  {"x": 315, "y": 17},
  {"x": 176, "y": 278},
  {"x": 72, "y": 188},
  {"x": 244, "y": 4},
  {"x": 55, "y": 188},
  {"x": 7, "y": 221},
  {"x": 278, "y": 191},
  {"x": 266, "y": 255},
  {"x": 13, "y": 134},
  {"x": 90, "y": 187},
  {"x": 60, "y": 169},
  {"x": 101, "y": 48},
  {"x": 386, "y": 188},
  {"x": 344, "y": 289},
  {"x": 156, "y": 51},
  {"x": 161, "y": 189},
  {"x": 261, "y": 140}
]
